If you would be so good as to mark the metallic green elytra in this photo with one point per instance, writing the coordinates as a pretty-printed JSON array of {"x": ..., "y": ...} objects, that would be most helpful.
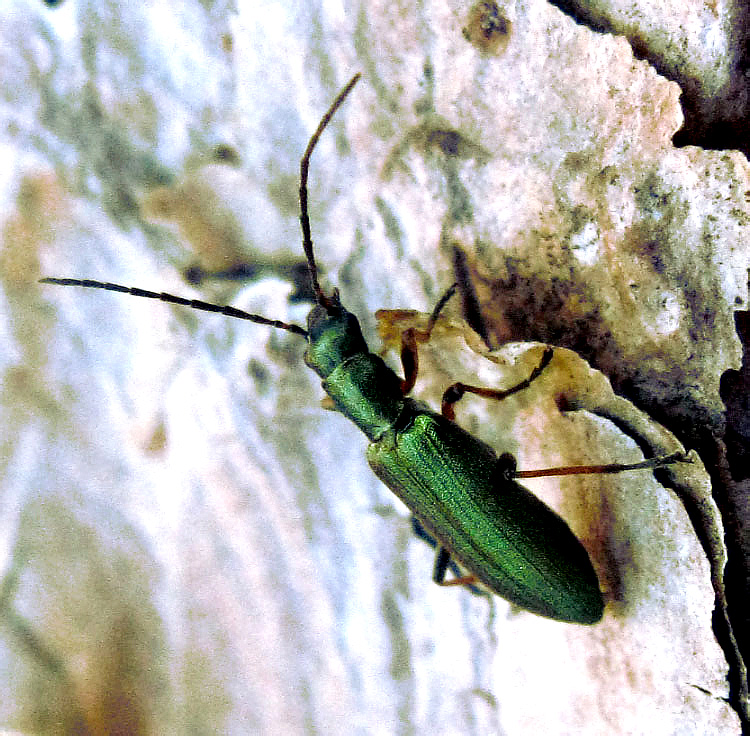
[
  {"x": 463, "y": 494},
  {"x": 454, "y": 483}
]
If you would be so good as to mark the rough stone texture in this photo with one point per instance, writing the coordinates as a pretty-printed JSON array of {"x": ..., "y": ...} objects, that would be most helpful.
[
  {"x": 188, "y": 542},
  {"x": 700, "y": 45}
]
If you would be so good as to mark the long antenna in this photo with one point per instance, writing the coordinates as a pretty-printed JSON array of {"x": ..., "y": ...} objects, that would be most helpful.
[
  {"x": 304, "y": 219},
  {"x": 172, "y": 299},
  {"x": 307, "y": 245}
]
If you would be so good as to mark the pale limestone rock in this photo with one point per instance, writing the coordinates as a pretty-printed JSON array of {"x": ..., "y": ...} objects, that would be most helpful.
[{"x": 184, "y": 530}]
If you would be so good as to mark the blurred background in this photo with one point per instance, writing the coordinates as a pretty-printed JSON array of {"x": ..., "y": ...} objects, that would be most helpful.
[{"x": 189, "y": 543}]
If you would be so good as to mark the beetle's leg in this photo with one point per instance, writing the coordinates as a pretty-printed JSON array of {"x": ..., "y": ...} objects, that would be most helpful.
[
  {"x": 442, "y": 563},
  {"x": 454, "y": 393},
  {"x": 652, "y": 462},
  {"x": 412, "y": 337}
]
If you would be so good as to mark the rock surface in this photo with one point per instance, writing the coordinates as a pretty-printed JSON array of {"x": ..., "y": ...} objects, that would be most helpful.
[{"x": 189, "y": 543}]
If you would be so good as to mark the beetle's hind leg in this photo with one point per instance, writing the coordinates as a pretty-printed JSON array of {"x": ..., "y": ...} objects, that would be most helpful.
[{"x": 444, "y": 563}]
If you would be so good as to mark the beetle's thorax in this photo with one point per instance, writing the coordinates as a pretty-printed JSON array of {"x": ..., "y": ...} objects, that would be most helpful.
[
  {"x": 361, "y": 385},
  {"x": 334, "y": 335}
]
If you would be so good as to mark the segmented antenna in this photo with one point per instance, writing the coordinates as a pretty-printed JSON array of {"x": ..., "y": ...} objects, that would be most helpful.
[
  {"x": 307, "y": 245},
  {"x": 172, "y": 299},
  {"x": 304, "y": 219}
]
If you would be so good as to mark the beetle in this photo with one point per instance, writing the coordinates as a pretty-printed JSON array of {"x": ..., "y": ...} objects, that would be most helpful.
[{"x": 463, "y": 494}]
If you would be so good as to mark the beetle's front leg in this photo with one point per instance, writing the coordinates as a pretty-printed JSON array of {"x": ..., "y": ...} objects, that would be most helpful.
[{"x": 412, "y": 336}]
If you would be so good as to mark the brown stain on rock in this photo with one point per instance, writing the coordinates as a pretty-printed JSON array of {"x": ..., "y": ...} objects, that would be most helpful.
[{"x": 487, "y": 29}]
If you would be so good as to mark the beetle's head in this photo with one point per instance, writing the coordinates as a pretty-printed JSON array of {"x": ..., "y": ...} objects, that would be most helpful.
[{"x": 334, "y": 335}]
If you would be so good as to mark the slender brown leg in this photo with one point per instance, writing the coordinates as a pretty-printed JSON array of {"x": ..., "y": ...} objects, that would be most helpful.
[
  {"x": 454, "y": 393},
  {"x": 411, "y": 338},
  {"x": 442, "y": 560},
  {"x": 652, "y": 462},
  {"x": 506, "y": 464}
]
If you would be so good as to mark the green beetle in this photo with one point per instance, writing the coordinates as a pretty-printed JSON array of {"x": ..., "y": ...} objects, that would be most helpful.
[{"x": 461, "y": 491}]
